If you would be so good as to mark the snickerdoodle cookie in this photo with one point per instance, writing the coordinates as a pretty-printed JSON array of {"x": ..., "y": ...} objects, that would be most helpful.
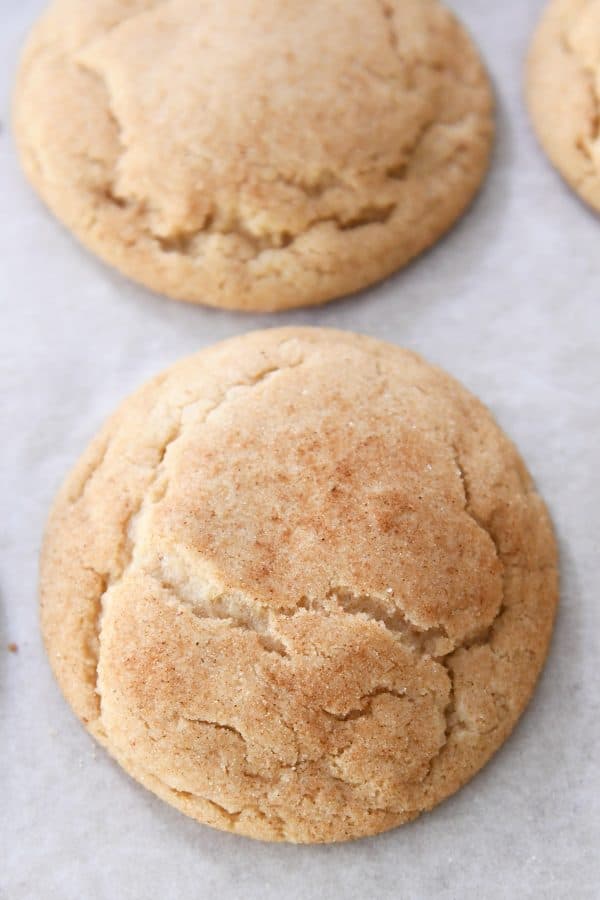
[
  {"x": 563, "y": 88},
  {"x": 255, "y": 154},
  {"x": 300, "y": 586}
]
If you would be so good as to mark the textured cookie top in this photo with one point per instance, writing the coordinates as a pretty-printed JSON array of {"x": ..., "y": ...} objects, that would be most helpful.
[
  {"x": 300, "y": 586},
  {"x": 564, "y": 92},
  {"x": 254, "y": 153}
]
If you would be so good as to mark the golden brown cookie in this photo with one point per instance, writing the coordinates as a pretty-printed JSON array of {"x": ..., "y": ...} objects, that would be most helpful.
[
  {"x": 563, "y": 89},
  {"x": 254, "y": 154},
  {"x": 300, "y": 586}
]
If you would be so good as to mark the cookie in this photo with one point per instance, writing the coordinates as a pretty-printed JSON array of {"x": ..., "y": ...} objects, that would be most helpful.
[
  {"x": 563, "y": 90},
  {"x": 254, "y": 154},
  {"x": 300, "y": 586}
]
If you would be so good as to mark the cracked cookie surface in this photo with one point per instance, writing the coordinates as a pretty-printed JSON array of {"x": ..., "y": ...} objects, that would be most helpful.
[
  {"x": 258, "y": 155},
  {"x": 563, "y": 88},
  {"x": 300, "y": 586}
]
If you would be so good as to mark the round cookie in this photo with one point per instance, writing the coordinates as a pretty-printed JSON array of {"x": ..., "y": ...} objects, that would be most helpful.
[
  {"x": 254, "y": 154},
  {"x": 300, "y": 586},
  {"x": 563, "y": 90}
]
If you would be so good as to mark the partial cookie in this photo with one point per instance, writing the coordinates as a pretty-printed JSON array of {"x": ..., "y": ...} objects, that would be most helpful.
[
  {"x": 300, "y": 586},
  {"x": 254, "y": 154},
  {"x": 563, "y": 90}
]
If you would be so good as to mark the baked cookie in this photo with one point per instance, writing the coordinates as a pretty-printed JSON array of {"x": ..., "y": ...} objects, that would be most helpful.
[
  {"x": 563, "y": 89},
  {"x": 254, "y": 154},
  {"x": 300, "y": 586}
]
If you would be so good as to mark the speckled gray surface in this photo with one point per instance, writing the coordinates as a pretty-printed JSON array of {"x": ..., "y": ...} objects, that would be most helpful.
[{"x": 509, "y": 303}]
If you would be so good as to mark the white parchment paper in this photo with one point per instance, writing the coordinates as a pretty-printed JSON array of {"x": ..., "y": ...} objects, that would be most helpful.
[{"x": 509, "y": 303}]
